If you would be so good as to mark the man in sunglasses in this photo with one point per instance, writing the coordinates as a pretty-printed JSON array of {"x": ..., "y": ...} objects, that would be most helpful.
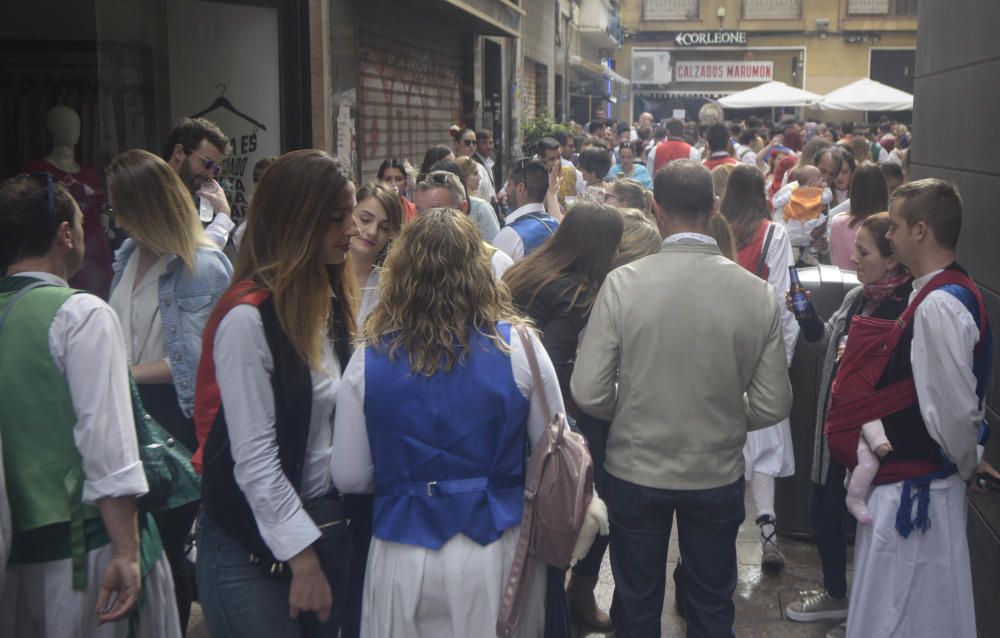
[{"x": 194, "y": 149}]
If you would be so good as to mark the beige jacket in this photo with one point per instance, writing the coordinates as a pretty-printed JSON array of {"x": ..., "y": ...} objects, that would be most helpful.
[{"x": 684, "y": 354}]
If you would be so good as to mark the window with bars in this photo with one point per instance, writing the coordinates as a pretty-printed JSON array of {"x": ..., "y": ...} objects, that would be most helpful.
[
  {"x": 671, "y": 9},
  {"x": 772, "y": 9},
  {"x": 891, "y": 8}
]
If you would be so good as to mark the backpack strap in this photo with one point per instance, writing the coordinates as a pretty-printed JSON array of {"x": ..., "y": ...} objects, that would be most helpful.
[
  {"x": 512, "y": 602},
  {"x": 763, "y": 251}
]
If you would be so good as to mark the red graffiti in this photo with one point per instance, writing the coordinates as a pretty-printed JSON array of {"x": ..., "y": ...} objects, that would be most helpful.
[{"x": 409, "y": 103}]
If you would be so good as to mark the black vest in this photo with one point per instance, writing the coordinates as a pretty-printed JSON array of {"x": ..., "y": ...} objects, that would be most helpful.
[{"x": 291, "y": 382}]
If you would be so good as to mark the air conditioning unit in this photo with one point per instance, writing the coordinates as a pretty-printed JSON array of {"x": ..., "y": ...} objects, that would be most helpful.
[{"x": 651, "y": 67}]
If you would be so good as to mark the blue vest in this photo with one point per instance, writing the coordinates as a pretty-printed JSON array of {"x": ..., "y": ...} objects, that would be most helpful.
[
  {"x": 448, "y": 449},
  {"x": 533, "y": 229}
]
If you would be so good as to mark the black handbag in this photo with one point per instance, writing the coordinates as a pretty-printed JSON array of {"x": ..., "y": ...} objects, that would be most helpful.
[{"x": 333, "y": 547}]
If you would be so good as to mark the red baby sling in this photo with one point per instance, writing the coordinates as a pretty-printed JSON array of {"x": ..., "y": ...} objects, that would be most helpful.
[{"x": 854, "y": 397}]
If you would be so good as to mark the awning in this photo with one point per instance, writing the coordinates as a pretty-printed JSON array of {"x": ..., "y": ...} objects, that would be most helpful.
[
  {"x": 614, "y": 77},
  {"x": 770, "y": 95},
  {"x": 867, "y": 95},
  {"x": 586, "y": 65}
]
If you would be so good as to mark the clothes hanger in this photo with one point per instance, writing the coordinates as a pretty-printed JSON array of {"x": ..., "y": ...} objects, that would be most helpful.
[{"x": 222, "y": 103}]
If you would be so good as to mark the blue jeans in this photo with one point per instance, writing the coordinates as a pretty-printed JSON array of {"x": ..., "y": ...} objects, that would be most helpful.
[
  {"x": 827, "y": 510},
  {"x": 239, "y": 601},
  {"x": 596, "y": 433},
  {"x": 707, "y": 524}
]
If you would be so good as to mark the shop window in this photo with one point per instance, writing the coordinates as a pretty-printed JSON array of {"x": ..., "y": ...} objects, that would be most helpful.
[
  {"x": 772, "y": 9},
  {"x": 671, "y": 9},
  {"x": 891, "y": 8}
]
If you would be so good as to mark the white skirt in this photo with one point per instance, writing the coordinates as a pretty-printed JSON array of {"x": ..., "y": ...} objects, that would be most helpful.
[
  {"x": 414, "y": 592},
  {"x": 916, "y": 586},
  {"x": 39, "y": 601},
  {"x": 769, "y": 451}
]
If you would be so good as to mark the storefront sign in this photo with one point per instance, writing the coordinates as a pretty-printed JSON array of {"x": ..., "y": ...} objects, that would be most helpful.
[
  {"x": 711, "y": 38},
  {"x": 716, "y": 71}
]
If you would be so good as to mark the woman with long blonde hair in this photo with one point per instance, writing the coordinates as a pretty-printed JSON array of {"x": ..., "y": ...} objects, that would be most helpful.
[
  {"x": 167, "y": 277},
  {"x": 274, "y": 552},
  {"x": 433, "y": 416}
]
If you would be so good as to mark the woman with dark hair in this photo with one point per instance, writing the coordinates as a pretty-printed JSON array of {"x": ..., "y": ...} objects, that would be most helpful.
[
  {"x": 628, "y": 167},
  {"x": 884, "y": 293},
  {"x": 595, "y": 162},
  {"x": 379, "y": 217},
  {"x": 555, "y": 287},
  {"x": 274, "y": 554},
  {"x": 439, "y": 393},
  {"x": 764, "y": 249},
  {"x": 434, "y": 155},
  {"x": 869, "y": 195},
  {"x": 398, "y": 176},
  {"x": 465, "y": 146}
]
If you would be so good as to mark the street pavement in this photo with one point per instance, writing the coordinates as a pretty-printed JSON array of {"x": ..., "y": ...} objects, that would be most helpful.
[{"x": 760, "y": 598}]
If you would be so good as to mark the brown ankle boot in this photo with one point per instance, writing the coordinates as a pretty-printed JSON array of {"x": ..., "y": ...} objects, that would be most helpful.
[{"x": 583, "y": 605}]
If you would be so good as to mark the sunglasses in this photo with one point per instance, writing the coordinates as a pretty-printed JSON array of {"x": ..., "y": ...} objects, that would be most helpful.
[
  {"x": 210, "y": 164},
  {"x": 469, "y": 142},
  {"x": 50, "y": 191}
]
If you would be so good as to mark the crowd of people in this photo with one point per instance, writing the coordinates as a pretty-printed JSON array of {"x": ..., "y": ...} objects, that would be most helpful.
[{"x": 349, "y": 367}]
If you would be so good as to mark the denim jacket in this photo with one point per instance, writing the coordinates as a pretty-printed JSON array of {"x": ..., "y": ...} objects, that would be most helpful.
[{"x": 186, "y": 300}]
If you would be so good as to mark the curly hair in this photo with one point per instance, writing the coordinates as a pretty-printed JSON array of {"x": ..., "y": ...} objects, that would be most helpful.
[{"x": 437, "y": 288}]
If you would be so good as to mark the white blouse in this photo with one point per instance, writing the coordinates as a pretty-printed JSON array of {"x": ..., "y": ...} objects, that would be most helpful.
[
  {"x": 138, "y": 310},
  {"x": 244, "y": 367}
]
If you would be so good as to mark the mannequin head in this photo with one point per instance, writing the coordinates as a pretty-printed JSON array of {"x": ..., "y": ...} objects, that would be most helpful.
[{"x": 64, "y": 126}]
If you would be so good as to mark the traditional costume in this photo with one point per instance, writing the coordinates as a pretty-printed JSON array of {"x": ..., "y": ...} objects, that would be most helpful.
[
  {"x": 445, "y": 456},
  {"x": 911, "y": 565},
  {"x": 69, "y": 440}
]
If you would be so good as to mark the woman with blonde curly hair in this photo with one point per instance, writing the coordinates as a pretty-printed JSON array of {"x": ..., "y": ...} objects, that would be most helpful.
[{"x": 434, "y": 411}]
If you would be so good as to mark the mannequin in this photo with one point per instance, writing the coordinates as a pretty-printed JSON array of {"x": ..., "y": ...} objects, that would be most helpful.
[{"x": 86, "y": 186}]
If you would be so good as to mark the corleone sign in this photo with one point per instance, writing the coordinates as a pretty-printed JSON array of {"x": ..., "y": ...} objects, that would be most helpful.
[
  {"x": 716, "y": 71},
  {"x": 711, "y": 38}
]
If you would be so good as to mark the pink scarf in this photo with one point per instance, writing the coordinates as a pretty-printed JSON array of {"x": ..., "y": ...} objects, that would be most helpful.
[{"x": 884, "y": 288}]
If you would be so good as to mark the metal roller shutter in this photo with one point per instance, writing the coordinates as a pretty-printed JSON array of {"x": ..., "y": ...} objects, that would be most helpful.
[{"x": 410, "y": 85}]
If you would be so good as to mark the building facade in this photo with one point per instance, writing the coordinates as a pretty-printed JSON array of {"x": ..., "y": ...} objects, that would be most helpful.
[{"x": 682, "y": 53}]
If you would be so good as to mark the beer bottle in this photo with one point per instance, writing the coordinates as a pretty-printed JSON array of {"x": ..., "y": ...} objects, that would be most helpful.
[{"x": 800, "y": 303}]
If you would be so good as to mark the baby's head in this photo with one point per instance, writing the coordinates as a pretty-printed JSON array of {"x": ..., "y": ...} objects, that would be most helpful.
[{"x": 810, "y": 176}]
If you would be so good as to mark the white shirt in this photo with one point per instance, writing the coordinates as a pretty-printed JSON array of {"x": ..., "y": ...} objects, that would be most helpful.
[
  {"x": 486, "y": 191},
  {"x": 86, "y": 344},
  {"x": 500, "y": 262},
  {"x": 218, "y": 231},
  {"x": 138, "y": 310},
  {"x": 581, "y": 184},
  {"x": 944, "y": 337},
  {"x": 243, "y": 370},
  {"x": 351, "y": 463},
  {"x": 507, "y": 239}
]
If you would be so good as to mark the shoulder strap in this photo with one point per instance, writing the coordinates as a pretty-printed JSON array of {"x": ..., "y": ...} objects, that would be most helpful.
[
  {"x": 763, "y": 251},
  {"x": 536, "y": 374},
  {"x": 21, "y": 293},
  {"x": 940, "y": 280}
]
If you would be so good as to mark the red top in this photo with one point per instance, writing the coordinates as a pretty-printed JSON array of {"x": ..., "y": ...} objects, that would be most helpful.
[
  {"x": 409, "y": 210},
  {"x": 749, "y": 255},
  {"x": 668, "y": 150},
  {"x": 720, "y": 161},
  {"x": 207, "y": 396}
]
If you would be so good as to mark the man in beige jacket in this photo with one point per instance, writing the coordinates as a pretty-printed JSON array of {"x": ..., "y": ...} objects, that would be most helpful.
[{"x": 684, "y": 354}]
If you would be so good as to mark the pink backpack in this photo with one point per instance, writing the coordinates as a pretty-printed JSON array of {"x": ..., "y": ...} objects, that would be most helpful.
[{"x": 559, "y": 484}]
